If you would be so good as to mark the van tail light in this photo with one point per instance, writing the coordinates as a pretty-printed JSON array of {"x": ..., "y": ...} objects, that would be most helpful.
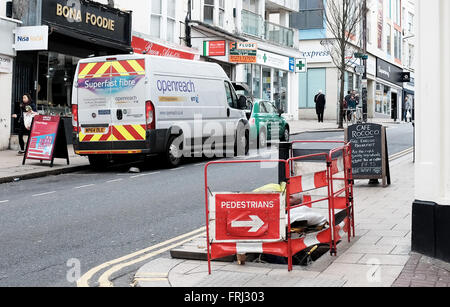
[
  {"x": 150, "y": 115},
  {"x": 75, "y": 118},
  {"x": 253, "y": 121}
]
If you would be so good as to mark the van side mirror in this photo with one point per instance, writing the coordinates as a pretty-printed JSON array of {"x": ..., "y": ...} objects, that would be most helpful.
[
  {"x": 242, "y": 102},
  {"x": 280, "y": 112}
]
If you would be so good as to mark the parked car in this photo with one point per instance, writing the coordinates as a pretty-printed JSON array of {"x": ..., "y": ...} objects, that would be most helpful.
[{"x": 265, "y": 117}]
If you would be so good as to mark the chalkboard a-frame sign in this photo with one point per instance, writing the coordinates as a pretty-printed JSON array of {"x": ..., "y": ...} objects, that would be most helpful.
[{"x": 370, "y": 158}]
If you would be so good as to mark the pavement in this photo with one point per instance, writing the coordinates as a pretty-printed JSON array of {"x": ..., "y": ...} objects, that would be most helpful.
[
  {"x": 379, "y": 256},
  {"x": 11, "y": 168}
]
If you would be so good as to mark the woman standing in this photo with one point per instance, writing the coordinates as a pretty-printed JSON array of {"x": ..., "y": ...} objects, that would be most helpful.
[{"x": 26, "y": 102}]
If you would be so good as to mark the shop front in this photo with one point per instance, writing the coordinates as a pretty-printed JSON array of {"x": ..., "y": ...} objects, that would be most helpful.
[
  {"x": 269, "y": 78},
  {"x": 388, "y": 91},
  {"x": 46, "y": 72}
]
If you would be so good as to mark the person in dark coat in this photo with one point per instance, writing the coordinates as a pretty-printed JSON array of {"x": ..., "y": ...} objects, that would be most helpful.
[
  {"x": 26, "y": 102},
  {"x": 320, "y": 101}
]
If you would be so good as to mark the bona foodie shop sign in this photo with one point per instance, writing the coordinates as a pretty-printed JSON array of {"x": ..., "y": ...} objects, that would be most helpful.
[{"x": 91, "y": 18}]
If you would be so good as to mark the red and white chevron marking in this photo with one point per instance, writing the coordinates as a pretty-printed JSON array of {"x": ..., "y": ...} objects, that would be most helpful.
[{"x": 221, "y": 250}]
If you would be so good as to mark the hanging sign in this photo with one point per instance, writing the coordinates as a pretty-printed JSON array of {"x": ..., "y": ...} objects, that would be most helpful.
[
  {"x": 243, "y": 52},
  {"x": 214, "y": 48}
]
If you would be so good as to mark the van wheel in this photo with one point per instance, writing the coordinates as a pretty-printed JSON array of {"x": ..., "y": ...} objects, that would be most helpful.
[
  {"x": 174, "y": 151},
  {"x": 242, "y": 143},
  {"x": 98, "y": 162}
]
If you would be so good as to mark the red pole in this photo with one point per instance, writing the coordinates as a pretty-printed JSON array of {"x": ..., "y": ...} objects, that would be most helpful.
[{"x": 207, "y": 219}]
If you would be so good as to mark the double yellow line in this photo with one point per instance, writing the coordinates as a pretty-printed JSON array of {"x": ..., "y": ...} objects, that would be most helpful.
[{"x": 111, "y": 267}]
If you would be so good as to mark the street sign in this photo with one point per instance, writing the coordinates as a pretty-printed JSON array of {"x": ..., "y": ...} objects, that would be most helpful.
[
  {"x": 236, "y": 217},
  {"x": 405, "y": 77},
  {"x": 359, "y": 69},
  {"x": 301, "y": 65}
]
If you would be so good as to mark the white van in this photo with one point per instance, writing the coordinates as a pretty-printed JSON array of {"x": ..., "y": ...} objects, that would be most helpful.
[{"x": 142, "y": 104}]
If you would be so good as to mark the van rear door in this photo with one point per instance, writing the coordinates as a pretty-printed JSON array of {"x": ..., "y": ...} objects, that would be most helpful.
[
  {"x": 94, "y": 106},
  {"x": 111, "y": 105},
  {"x": 128, "y": 104}
]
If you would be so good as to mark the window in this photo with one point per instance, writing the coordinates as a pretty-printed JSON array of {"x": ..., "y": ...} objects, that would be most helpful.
[
  {"x": 410, "y": 23},
  {"x": 155, "y": 23},
  {"x": 397, "y": 44},
  {"x": 250, "y": 5},
  {"x": 411, "y": 55},
  {"x": 222, "y": 13},
  {"x": 231, "y": 95},
  {"x": 388, "y": 40},
  {"x": 170, "y": 21},
  {"x": 208, "y": 11},
  {"x": 310, "y": 16},
  {"x": 397, "y": 11}
]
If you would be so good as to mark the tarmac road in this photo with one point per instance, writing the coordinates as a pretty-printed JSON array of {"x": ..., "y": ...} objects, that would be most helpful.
[{"x": 89, "y": 218}]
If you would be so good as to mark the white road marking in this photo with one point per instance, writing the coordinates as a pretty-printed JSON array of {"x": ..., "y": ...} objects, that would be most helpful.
[
  {"x": 104, "y": 281},
  {"x": 177, "y": 169},
  {"x": 143, "y": 175},
  {"x": 84, "y": 280},
  {"x": 115, "y": 180},
  {"x": 43, "y": 194},
  {"x": 84, "y": 186},
  {"x": 3, "y": 201}
]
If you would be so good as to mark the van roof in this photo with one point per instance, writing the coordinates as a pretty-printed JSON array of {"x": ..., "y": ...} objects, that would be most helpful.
[{"x": 166, "y": 65}]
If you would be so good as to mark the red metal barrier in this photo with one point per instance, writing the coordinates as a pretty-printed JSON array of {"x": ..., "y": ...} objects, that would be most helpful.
[{"x": 249, "y": 223}]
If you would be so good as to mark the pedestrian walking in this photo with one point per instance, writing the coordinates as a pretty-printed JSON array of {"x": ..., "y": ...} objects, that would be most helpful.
[
  {"x": 351, "y": 102},
  {"x": 408, "y": 110},
  {"x": 320, "y": 101},
  {"x": 27, "y": 103}
]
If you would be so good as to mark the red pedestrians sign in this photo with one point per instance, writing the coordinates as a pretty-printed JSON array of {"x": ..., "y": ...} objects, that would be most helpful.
[{"x": 247, "y": 217}]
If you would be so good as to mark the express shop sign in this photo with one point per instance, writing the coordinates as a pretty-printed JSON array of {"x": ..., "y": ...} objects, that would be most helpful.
[{"x": 247, "y": 217}]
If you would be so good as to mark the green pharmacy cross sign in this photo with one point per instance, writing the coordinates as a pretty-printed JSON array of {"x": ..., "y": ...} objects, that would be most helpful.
[{"x": 300, "y": 65}]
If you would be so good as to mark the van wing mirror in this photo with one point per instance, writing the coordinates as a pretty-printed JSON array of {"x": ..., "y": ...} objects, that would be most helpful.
[{"x": 242, "y": 102}]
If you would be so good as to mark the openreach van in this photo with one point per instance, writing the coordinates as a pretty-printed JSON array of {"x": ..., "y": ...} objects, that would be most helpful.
[{"x": 147, "y": 105}]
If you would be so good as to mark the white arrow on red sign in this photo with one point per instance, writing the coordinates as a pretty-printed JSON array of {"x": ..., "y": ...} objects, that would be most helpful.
[{"x": 255, "y": 224}]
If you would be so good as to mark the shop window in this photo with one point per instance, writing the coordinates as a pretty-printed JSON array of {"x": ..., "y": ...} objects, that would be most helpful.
[
  {"x": 256, "y": 81},
  {"x": 55, "y": 81},
  {"x": 310, "y": 84},
  {"x": 266, "y": 84},
  {"x": 280, "y": 89}
]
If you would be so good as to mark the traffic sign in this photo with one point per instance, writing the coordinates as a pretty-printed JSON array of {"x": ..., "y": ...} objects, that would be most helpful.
[
  {"x": 301, "y": 65},
  {"x": 236, "y": 217},
  {"x": 359, "y": 69}
]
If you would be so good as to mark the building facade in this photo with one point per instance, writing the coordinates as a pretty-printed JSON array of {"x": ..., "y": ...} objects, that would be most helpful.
[
  {"x": 7, "y": 57},
  {"x": 431, "y": 209},
  {"x": 206, "y": 30},
  {"x": 385, "y": 43}
]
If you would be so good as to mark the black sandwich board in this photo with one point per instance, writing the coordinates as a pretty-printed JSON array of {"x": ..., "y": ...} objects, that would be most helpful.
[{"x": 370, "y": 157}]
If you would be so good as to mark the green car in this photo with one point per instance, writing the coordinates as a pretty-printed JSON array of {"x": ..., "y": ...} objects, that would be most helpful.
[{"x": 264, "y": 118}]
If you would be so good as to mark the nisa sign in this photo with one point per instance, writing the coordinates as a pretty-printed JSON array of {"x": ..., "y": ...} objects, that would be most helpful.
[{"x": 31, "y": 38}]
